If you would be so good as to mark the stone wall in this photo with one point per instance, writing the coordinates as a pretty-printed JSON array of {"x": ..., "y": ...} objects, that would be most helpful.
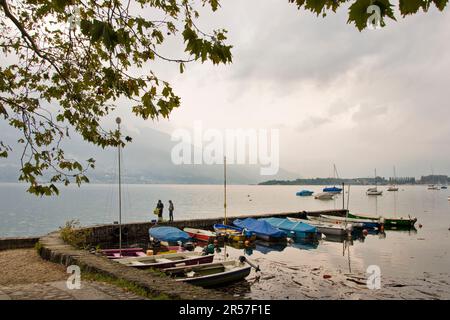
[{"x": 18, "y": 243}]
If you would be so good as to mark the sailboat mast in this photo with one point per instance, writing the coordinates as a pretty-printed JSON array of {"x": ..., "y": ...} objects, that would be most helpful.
[
  {"x": 225, "y": 188},
  {"x": 118, "y": 121}
]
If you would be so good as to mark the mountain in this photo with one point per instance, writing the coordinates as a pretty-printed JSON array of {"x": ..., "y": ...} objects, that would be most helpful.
[{"x": 146, "y": 160}]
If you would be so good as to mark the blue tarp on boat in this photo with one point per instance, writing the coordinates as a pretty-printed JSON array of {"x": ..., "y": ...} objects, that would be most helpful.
[
  {"x": 299, "y": 229},
  {"x": 304, "y": 193},
  {"x": 168, "y": 234},
  {"x": 259, "y": 227},
  {"x": 332, "y": 189}
]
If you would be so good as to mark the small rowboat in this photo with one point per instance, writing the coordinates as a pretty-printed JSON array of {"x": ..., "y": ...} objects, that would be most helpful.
[
  {"x": 210, "y": 274},
  {"x": 356, "y": 223},
  {"x": 326, "y": 228},
  {"x": 169, "y": 260},
  {"x": 389, "y": 222},
  {"x": 202, "y": 235},
  {"x": 121, "y": 253},
  {"x": 233, "y": 233}
]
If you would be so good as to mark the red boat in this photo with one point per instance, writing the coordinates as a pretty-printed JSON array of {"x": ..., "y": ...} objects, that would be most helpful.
[{"x": 202, "y": 235}]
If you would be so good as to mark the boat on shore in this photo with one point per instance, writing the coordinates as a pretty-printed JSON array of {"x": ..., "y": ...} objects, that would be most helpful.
[
  {"x": 324, "y": 196},
  {"x": 233, "y": 233},
  {"x": 210, "y": 274},
  {"x": 390, "y": 222},
  {"x": 325, "y": 227},
  {"x": 167, "y": 260},
  {"x": 122, "y": 253},
  {"x": 200, "y": 234},
  {"x": 304, "y": 193},
  {"x": 168, "y": 235},
  {"x": 262, "y": 229},
  {"x": 297, "y": 230},
  {"x": 356, "y": 223}
]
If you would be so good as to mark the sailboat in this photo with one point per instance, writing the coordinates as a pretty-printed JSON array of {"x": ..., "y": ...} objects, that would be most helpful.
[
  {"x": 333, "y": 189},
  {"x": 374, "y": 190},
  {"x": 393, "y": 187}
]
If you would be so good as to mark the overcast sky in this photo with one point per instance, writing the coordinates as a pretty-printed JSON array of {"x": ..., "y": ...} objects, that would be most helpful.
[{"x": 365, "y": 100}]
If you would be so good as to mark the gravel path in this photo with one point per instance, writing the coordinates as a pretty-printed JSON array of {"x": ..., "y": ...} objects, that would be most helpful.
[{"x": 25, "y": 276}]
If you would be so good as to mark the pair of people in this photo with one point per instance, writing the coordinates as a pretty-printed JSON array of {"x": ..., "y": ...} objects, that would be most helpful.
[{"x": 160, "y": 208}]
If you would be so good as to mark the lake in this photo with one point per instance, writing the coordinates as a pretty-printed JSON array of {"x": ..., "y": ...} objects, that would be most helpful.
[{"x": 414, "y": 264}]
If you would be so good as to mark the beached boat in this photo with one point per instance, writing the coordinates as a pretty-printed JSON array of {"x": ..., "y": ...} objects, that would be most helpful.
[
  {"x": 122, "y": 253},
  {"x": 262, "y": 229},
  {"x": 210, "y": 274},
  {"x": 326, "y": 228},
  {"x": 304, "y": 193},
  {"x": 233, "y": 233},
  {"x": 168, "y": 235},
  {"x": 200, "y": 234},
  {"x": 324, "y": 196},
  {"x": 390, "y": 222},
  {"x": 296, "y": 230},
  {"x": 356, "y": 223},
  {"x": 167, "y": 260}
]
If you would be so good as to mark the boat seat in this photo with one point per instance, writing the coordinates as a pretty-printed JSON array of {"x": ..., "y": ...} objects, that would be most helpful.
[{"x": 163, "y": 260}]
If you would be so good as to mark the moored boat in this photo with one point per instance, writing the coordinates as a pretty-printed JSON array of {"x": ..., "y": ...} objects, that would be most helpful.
[
  {"x": 296, "y": 230},
  {"x": 356, "y": 223},
  {"x": 326, "y": 228},
  {"x": 304, "y": 193},
  {"x": 332, "y": 190},
  {"x": 374, "y": 192},
  {"x": 200, "y": 234},
  {"x": 167, "y": 260},
  {"x": 262, "y": 229},
  {"x": 233, "y": 233},
  {"x": 324, "y": 196},
  {"x": 390, "y": 222},
  {"x": 210, "y": 274}
]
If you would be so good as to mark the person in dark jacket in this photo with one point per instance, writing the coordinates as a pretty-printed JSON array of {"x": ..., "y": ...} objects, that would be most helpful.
[
  {"x": 171, "y": 210},
  {"x": 160, "y": 207}
]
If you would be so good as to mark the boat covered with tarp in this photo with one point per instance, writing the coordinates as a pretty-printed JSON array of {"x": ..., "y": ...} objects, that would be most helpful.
[
  {"x": 304, "y": 193},
  {"x": 263, "y": 229},
  {"x": 334, "y": 190},
  {"x": 296, "y": 230},
  {"x": 169, "y": 234}
]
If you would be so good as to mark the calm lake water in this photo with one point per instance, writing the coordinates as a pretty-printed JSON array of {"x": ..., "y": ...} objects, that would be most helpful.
[{"x": 406, "y": 257}]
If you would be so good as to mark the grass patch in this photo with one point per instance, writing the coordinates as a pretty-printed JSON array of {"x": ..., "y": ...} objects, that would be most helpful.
[
  {"x": 124, "y": 284},
  {"x": 38, "y": 247}
]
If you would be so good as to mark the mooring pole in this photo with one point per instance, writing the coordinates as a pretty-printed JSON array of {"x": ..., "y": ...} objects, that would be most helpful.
[
  {"x": 225, "y": 188},
  {"x": 118, "y": 121}
]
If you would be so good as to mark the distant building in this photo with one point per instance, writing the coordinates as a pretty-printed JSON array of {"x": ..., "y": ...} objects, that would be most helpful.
[{"x": 434, "y": 179}]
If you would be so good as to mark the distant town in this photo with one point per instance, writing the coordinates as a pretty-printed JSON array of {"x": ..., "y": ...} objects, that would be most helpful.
[{"x": 431, "y": 179}]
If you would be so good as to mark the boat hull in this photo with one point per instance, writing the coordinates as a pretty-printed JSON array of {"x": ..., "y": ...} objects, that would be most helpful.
[
  {"x": 170, "y": 264},
  {"x": 389, "y": 222}
]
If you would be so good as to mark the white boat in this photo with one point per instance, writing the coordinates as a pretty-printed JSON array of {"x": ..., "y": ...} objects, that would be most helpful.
[
  {"x": 356, "y": 223},
  {"x": 210, "y": 274},
  {"x": 374, "y": 192},
  {"x": 167, "y": 260},
  {"x": 326, "y": 228},
  {"x": 433, "y": 187},
  {"x": 324, "y": 196},
  {"x": 393, "y": 187}
]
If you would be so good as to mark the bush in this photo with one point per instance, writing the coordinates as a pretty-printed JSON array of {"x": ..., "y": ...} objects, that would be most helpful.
[{"x": 73, "y": 234}]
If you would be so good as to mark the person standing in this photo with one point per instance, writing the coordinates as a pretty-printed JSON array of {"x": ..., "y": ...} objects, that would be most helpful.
[
  {"x": 160, "y": 207},
  {"x": 171, "y": 210}
]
